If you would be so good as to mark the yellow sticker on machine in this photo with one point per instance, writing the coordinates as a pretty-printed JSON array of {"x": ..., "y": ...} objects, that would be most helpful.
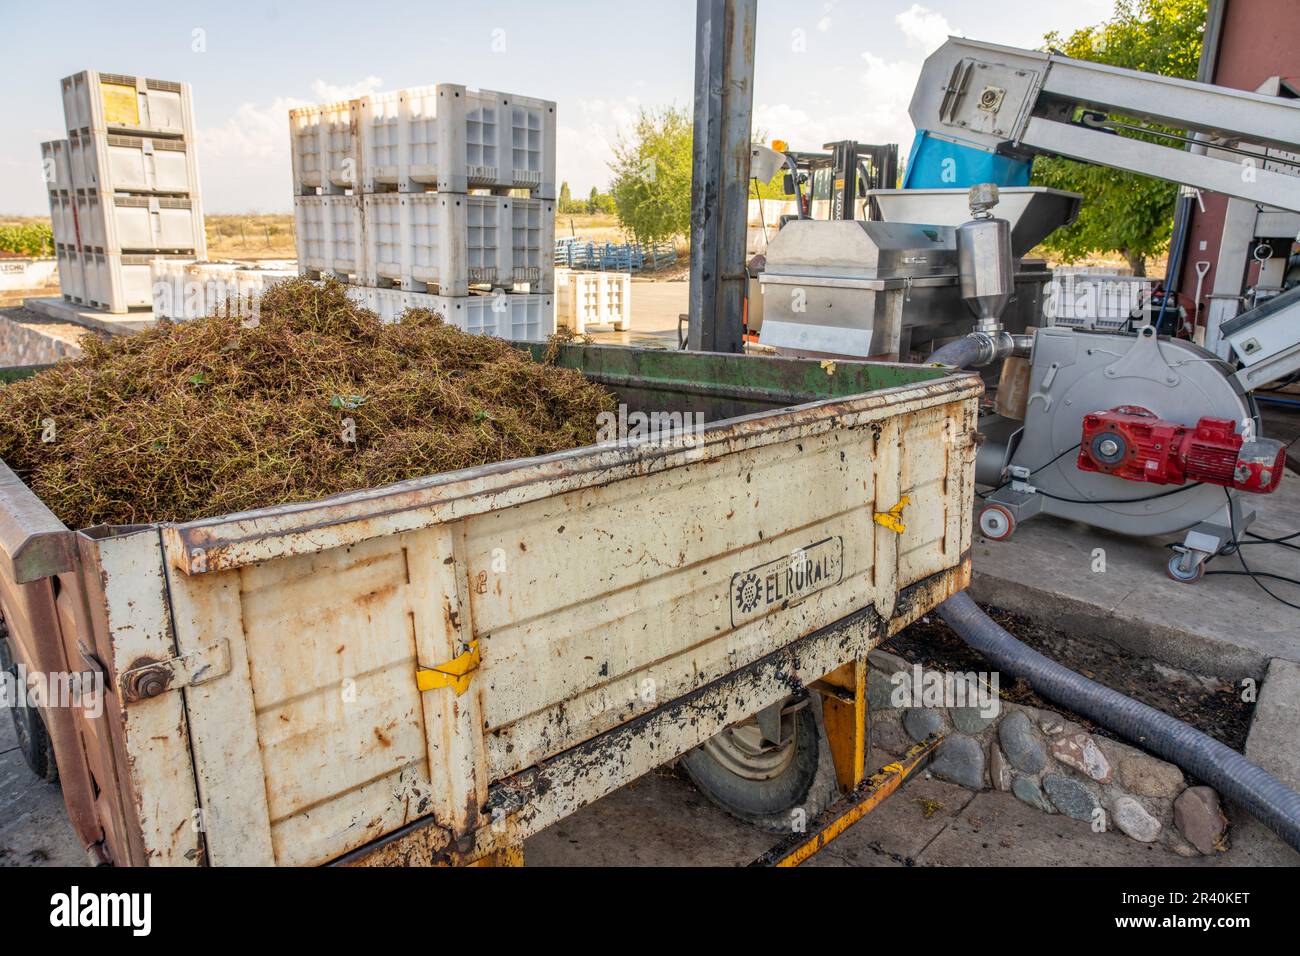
[{"x": 121, "y": 107}]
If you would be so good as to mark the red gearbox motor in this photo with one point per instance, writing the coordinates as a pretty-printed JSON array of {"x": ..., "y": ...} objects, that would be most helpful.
[{"x": 1130, "y": 442}]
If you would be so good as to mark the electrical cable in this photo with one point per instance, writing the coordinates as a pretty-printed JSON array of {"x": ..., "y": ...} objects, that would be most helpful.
[
  {"x": 1032, "y": 471},
  {"x": 1121, "y": 501},
  {"x": 1253, "y": 575}
]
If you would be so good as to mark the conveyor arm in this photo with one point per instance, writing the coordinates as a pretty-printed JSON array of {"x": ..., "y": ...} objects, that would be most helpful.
[{"x": 1003, "y": 99}]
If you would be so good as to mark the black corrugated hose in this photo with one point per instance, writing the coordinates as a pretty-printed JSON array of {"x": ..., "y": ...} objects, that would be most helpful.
[{"x": 1235, "y": 777}]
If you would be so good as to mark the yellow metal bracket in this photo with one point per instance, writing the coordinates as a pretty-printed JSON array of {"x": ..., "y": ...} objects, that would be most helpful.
[
  {"x": 893, "y": 518},
  {"x": 456, "y": 673},
  {"x": 850, "y": 808}
]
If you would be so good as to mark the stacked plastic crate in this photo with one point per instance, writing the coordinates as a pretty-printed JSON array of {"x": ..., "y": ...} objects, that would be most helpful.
[
  {"x": 437, "y": 197},
  {"x": 123, "y": 187}
]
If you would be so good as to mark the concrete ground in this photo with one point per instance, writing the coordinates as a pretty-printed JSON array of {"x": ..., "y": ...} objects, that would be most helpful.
[
  {"x": 34, "y": 828},
  {"x": 655, "y": 308},
  {"x": 54, "y": 307},
  {"x": 661, "y": 820},
  {"x": 1221, "y": 626}
]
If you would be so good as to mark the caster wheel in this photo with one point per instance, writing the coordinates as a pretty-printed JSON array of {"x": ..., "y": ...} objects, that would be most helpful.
[
  {"x": 996, "y": 523},
  {"x": 1174, "y": 570}
]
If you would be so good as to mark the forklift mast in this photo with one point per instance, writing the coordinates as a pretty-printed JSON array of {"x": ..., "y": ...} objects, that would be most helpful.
[{"x": 842, "y": 174}]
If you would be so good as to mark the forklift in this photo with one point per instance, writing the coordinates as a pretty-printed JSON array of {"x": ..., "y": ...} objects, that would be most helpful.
[{"x": 833, "y": 184}]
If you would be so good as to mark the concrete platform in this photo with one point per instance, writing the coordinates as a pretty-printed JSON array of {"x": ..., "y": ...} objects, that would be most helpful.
[
  {"x": 1274, "y": 745},
  {"x": 1220, "y": 626},
  {"x": 56, "y": 308}
]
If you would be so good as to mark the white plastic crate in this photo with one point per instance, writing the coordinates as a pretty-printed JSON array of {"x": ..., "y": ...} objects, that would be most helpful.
[
  {"x": 452, "y": 139},
  {"x": 119, "y": 283},
  {"x": 450, "y": 242},
  {"x": 174, "y": 294},
  {"x": 56, "y": 163},
  {"x": 324, "y": 148},
  {"x": 254, "y": 283},
  {"x": 116, "y": 224},
  {"x": 329, "y": 235},
  {"x": 185, "y": 290},
  {"x": 72, "y": 278},
  {"x": 586, "y": 299},
  {"x": 112, "y": 162},
  {"x": 1093, "y": 299},
  {"x": 388, "y": 304},
  {"x": 520, "y": 317},
  {"x": 63, "y": 219},
  {"x": 133, "y": 104}
]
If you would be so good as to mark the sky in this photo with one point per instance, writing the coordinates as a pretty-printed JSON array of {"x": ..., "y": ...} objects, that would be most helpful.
[{"x": 824, "y": 70}]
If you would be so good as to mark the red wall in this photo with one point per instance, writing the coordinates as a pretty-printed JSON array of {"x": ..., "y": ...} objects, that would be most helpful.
[{"x": 1260, "y": 39}]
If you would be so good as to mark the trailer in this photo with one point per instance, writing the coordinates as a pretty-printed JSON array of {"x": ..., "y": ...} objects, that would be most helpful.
[{"x": 432, "y": 671}]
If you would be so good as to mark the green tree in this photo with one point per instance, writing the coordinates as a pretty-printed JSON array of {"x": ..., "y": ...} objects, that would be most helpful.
[
  {"x": 652, "y": 175},
  {"x": 566, "y": 198},
  {"x": 593, "y": 201},
  {"x": 27, "y": 239},
  {"x": 1124, "y": 212}
]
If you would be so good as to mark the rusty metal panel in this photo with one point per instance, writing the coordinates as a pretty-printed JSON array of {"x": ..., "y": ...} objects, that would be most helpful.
[
  {"x": 327, "y": 743},
  {"x": 598, "y": 605},
  {"x": 152, "y": 735}
]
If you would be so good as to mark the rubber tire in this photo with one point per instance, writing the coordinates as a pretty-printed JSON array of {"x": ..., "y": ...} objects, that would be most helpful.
[
  {"x": 808, "y": 782},
  {"x": 33, "y": 740}
]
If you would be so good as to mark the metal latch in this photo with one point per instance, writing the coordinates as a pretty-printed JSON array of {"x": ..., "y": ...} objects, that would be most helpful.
[
  {"x": 455, "y": 673},
  {"x": 148, "y": 678},
  {"x": 893, "y": 518}
]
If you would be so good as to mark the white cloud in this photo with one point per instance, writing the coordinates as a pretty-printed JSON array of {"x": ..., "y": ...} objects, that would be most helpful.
[
  {"x": 245, "y": 161},
  {"x": 585, "y": 135},
  {"x": 923, "y": 28},
  {"x": 879, "y": 115},
  {"x": 323, "y": 92}
]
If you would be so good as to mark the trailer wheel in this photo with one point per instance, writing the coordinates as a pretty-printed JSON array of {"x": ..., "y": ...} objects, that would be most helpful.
[
  {"x": 33, "y": 741},
  {"x": 773, "y": 786}
]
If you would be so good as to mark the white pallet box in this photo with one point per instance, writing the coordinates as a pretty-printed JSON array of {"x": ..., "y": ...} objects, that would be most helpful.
[
  {"x": 323, "y": 144},
  {"x": 116, "y": 224},
  {"x": 452, "y": 139},
  {"x": 120, "y": 282},
  {"x": 384, "y": 140},
  {"x": 329, "y": 235},
  {"x": 252, "y": 284},
  {"x": 532, "y": 237},
  {"x": 216, "y": 282},
  {"x": 114, "y": 102},
  {"x": 448, "y": 242},
  {"x": 258, "y": 281},
  {"x": 63, "y": 219},
  {"x": 72, "y": 277},
  {"x": 175, "y": 294},
  {"x": 1095, "y": 298},
  {"x": 112, "y": 162},
  {"x": 56, "y": 165},
  {"x": 593, "y": 299},
  {"x": 616, "y": 303},
  {"x": 518, "y": 316},
  {"x": 389, "y": 304}
]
